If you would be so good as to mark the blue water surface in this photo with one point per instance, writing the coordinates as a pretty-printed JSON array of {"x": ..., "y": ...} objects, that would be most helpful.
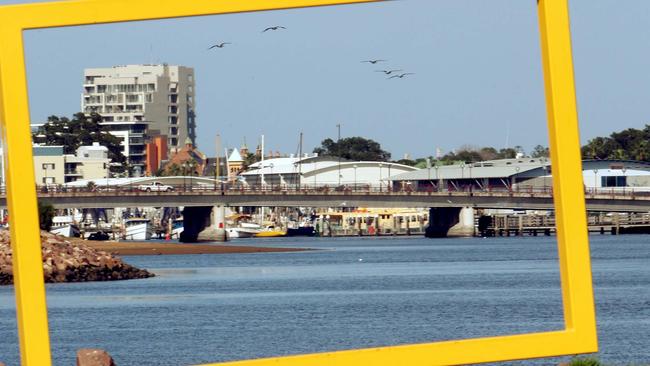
[{"x": 350, "y": 293}]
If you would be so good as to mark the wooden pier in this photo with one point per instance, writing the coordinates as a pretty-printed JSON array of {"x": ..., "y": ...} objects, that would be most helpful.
[{"x": 534, "y": 225}]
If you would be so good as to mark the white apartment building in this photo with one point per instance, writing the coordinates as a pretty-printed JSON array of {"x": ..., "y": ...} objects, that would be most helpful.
[
  {"x": 141, "y": 101},
  {"x": 52, "y": 167},
  {"x": 89, "y": 162}
]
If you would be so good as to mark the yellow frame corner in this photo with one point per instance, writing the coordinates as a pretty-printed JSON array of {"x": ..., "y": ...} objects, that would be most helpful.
[{"x": 579, "y": 334}]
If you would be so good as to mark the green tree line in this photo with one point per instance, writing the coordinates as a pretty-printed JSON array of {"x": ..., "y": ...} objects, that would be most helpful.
[
  {"x": 629, "y": 144},
  {"x": 80, "y": 130}
]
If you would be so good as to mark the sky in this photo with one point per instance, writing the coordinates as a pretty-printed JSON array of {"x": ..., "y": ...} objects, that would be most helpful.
[{"x": 477, "y": 72}]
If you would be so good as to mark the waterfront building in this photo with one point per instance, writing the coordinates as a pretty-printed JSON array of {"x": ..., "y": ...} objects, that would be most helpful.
[
  {"x": 89, "y": 162},
  {"x": 321, "y": 171},
  {"x": 52, "y": 166},
  {"x": 49, "y": 165},
  {"x": 187, "y": 161},
  {"x": 156, "y": 154},
  {"x": 235, "y": 164},
  {"x": 534, "y": 174},
  {"x": 138, "y": 102}
]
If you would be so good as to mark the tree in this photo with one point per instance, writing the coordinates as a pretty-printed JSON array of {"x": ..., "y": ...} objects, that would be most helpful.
[
  {"x": 488, "y": 153},
  {"x": 174, "y": 170},
  {"x": 630, "y": 144},
  {"x": 353, "y": 148},
  {"x": 250, "y": 159},
  {"x": 507, "y": 153},
  {"x": 540, "y": 151},
  {"x": 408, "y": 162},
  {"x": 81, "y": 130},
  {"x": 45, "y": 215}
]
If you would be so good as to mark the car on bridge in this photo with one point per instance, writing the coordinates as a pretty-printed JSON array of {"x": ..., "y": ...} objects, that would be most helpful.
[{"x": 155, "y": 187}]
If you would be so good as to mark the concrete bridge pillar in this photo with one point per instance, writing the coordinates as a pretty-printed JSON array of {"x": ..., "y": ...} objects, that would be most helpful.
[
  {"x": 450, "y": 222},
  {"x": 203, "y": 223}
]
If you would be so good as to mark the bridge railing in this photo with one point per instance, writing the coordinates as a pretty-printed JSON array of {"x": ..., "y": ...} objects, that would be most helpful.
[{"x": 310, "y": 189}]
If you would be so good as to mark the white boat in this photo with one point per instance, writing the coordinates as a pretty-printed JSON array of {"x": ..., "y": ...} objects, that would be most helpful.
[
  {"x": 137, "y": 229},
  {"x": 240, "y": 232},
  {"x": 250, "y": 225},
  {"x": 68, "y": 230},
  {"x": 177, "y": 228}
]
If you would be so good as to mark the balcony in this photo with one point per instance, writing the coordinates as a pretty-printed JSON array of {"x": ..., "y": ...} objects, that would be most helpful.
[{"x": 72, "y": 173}]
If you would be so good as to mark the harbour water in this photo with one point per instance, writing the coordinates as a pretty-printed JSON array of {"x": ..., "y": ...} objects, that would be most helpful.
[{"x": 352, "y": 293}]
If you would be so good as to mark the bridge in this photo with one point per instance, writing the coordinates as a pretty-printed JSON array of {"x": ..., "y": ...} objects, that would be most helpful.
[{"x": 603, "y": 200}]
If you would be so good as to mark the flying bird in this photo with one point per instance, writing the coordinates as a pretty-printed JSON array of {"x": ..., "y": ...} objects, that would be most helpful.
[
  {"x": 388, "y": 72},
  {"x": 401, "y": 76},
  {"x": 219, "y": 45},
  {"x": 274, "y": 28},
  {"x": 373, "y": 61}
]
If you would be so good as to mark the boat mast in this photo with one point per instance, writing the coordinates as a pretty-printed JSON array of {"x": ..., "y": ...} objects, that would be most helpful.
[{"x": 300, "y": 161}]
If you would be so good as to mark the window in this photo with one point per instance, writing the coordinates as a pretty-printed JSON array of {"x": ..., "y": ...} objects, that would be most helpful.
[
  {"x": 173, "y": 120},
  {"x": 48, "y": 166},
  {"x": 173, "y": 109},
  {"x": 173, "y": 98},
  {"x": 613, "y": 181},
  {"x": 49, "y": 180}
]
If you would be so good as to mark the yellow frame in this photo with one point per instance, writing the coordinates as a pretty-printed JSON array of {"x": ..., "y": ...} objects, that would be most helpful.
[{"x": 579, "y": 334}]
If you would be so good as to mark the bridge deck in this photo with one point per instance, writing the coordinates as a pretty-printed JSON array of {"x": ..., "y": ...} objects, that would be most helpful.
[{"x": 124, "y": 197}]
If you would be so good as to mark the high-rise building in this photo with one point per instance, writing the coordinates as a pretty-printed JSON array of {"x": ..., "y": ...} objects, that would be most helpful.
[{"x": 138, "y": 102}]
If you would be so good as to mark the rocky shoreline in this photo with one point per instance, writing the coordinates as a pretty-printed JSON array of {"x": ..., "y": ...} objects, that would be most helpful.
[{"x": 65, "y": 261}]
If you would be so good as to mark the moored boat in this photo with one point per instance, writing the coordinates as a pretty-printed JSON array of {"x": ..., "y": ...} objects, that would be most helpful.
[
  {"x": 69, "y": 231},
  {"x": 302, "y": 231},
  {"x": 137, "y": 229},
  {"x": 271, "y": 232}
]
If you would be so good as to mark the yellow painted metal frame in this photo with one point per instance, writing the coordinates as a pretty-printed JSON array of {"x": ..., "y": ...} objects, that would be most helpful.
[{"x": 579, "y": 334}]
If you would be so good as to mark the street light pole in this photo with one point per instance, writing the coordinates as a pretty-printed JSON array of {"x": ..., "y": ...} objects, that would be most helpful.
[
  {"x": 215, "y": 175},
  {"x": 380, "y": 183},
  {"x": 184, "y": 165},
  {"x": 436, "y": 167},
  {"x": 338, "y": 143}
]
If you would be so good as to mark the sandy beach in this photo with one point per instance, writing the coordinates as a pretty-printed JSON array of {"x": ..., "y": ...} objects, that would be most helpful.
[{"x": 160, "y": 248}]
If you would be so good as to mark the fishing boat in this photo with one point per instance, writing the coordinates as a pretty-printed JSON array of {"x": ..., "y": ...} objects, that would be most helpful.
[
  {"x": 239, "y": 232},
  {"x": 65, "y": 226},
  {"x": 137, "y": 229},
  {"x": 301, "y": 231},
  {"x": 177, "y": 228},
  {"x": 271, "y": 232},
  {"x": 67, "y": 230},
  {"x": 305, "y": 227}
]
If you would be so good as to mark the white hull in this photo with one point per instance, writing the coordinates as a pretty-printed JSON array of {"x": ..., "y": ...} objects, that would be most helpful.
[
  {"x": 68, "y": 231},
  {"x": 236, "y": 232},
  {"x": 137, "y": 231}
]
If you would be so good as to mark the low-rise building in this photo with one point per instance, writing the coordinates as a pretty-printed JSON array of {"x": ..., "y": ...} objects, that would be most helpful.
[
  {"x": 321, "y": 171},
  {"x": 187, "y": 161},
  {"x": 89, "y": 162},
  {"x": 523, "y": 174},
  {"x": 53, "y": 167},
  {"x": 49, "y": 165}
]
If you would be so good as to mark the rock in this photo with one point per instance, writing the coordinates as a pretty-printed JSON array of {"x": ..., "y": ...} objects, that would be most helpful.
[
  {"x": 94, "y": 357},
  {"x": 65, "y": 261}
]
